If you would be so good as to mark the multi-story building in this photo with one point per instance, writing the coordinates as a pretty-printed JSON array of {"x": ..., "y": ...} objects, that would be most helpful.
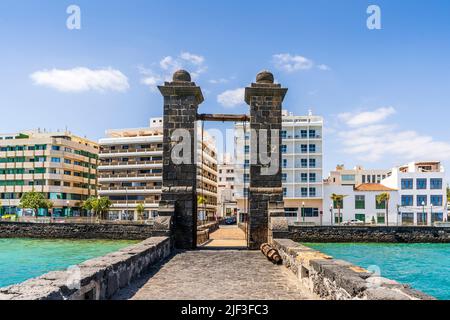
[
  {"x": 356, "y": 176},
  {"x": 225, "y": 195},
  {"x": 359, "y": 203},
  {"x": 302, "y": 165},
  {"x": 60, "y": 165},
  {"x": 206, "y": 175},
  {"x": 422, "y": 192},
  {"x": 130, "y": 172}
]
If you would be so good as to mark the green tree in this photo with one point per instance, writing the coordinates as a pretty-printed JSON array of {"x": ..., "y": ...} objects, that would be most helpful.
[
  {"x": 338, "y": 201},
  {"x": 35, "y": 200},
  {"x": 140, "y": 208},
  {"x": 385, "y": 197},
  {"x": 448, "y": 194},
  {"x": 99, "y": 206}
]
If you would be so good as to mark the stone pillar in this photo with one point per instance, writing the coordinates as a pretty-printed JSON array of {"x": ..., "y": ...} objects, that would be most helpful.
[
  {"x": 265, "y": 99},
  {"x": 181, "y": 100}
]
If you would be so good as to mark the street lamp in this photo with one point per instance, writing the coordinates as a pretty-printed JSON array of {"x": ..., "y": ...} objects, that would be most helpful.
[
  {"x": 303, "y": 211},
  {"x": 423, "y": 212},
  {"x": 68, "y": 208}
]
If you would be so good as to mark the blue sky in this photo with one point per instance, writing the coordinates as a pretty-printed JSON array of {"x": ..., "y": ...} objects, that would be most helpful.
[{"x": 384, "y": 93}]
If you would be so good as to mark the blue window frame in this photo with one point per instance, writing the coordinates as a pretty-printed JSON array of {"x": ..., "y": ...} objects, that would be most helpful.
[
  {"x": 436, "y": 200},
  {"x": 421, "y": 184},
  {"x": 57, "y": 160},
  {"x": 422, "y": 198},
  {"x": 283, "y": 134},
  {"x": 283, "y": 148},
  {"x": 407, "y": 184},
  {"x": 407, "y": 201},
  {"x": 435, "y": 184}
]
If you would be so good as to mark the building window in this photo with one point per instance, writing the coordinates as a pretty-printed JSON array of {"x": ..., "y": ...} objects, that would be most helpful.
[
  {"x": 246, "y": 178},
  {"x": 422, "y": 200},
  {"x": 348, "y": 177},
  {"x": 312, "y": 192},
  {"x": 283, "y": 148},
  {"x": 407, "y": 201},
  {"x": 360, "y": 202},
  {"x": 245, "y": 192},
  {"x": 304, "y": 163},
  {"x": 312, "y": 177},
  {"x": 312, "y": 148},
  {"x": 304, "y": 134},
  {"x": 436, "y": 184},
  {"x": 310, "y": 212},
  {"x": 56, "y": 148},
  {"x": 284, "y": 192},
  {"x": 407, "y": 218},
  {"x": 312, "y": 163},
  {"x": 284, "y": 177},
  {"x": 437, "y": 217},
  {"x": 285, "y": 163},
  {"x": 436, "y": 200},
  {"x": 380, "y": 205},
  {"x": 283, "y": 134},
  {"x": 381, "y": 217},
  {"x": 421, "y": 184},
  {"x": 247, "y": 164},
  {"x": 304, "y": 177},
  {"x": 304, "y": 192},
  {"x": 407, "y": 184},
  {"x": 304, "y": 148},
  {"x": 57, "y": 160},
  {"x": 312, "y": 134},
  {"x": 290, "y": 212},
  {"x": 246, "y": 149},
  {"x": 360, "y": 217}
]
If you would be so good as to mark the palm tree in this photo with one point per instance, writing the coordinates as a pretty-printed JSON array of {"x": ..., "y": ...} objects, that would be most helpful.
[
  {"x": 338, "y": 199},
  {"x": 140, "y": 209},
  {"x": 384, "y": 198}
]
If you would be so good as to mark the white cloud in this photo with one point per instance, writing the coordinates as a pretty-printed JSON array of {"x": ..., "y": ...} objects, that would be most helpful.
[
  {"x": 364, "y": 118},
  {"x": 193, "y": 63},
  {"x": 367, "y": 139},
  {"x": 192, "y": 58},
  {"x": 323, "y": 67},
  {"x": 82, "y": 79},
  {"x": 232, "y": 98},
  {"x": 292, "y": 63}
]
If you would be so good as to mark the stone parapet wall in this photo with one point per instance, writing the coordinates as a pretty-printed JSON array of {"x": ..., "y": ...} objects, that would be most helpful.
[
  {"x": 96, "y": 279},
  {"x": 79, "y": 231},
  {"x": 328, "y": 234},
  {"x": 333, "y": 279}
]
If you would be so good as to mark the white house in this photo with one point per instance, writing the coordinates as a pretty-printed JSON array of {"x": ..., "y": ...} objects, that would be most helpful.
[
  {"x": 359, "y": 203},
  {"x": 422, "y": 192}
]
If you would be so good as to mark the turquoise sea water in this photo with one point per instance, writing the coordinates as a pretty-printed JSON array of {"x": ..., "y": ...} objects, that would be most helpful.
[
  {"x": 22, "y": 259},
  {"x": 426, "y": 267}
]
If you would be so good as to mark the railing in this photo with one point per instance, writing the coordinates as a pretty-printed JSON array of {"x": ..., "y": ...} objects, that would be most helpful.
[
  {"x": 124, "y": 175},
  {"x": 125, "y": 189},
  {"x": 107, "y": 151},
  {"x": 80, "y": 220}
]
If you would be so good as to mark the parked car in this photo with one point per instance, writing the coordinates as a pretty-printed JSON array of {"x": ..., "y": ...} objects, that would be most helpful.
[
  {"x": 230, "y": 221},
  {"x": 353, "y": 222}
]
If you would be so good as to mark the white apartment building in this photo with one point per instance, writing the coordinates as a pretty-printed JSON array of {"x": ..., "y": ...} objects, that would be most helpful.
[
  {"x": 360, "y": 203},
  {"x": 226, "y": 202},
  {"x": 130, "y": 171},
  {"x": 422, "y": 192},
  {"x": 356, "y": 176},
  {"x": 302, "y": 165}
]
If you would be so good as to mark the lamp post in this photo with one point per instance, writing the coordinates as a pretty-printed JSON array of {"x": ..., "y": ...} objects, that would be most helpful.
[
  {"x": 303, "y": 211},
  {"x": 423, "y": 212},
  {"x": 68, "y": 208}
]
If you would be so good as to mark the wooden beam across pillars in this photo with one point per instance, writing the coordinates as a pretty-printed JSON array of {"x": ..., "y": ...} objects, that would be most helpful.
[{"x": 224, "y": 117}]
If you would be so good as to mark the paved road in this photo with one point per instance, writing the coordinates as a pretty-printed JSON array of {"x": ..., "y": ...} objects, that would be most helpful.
[
  {"x": 215, "y": 275},
  {"x": 227, "y": 237}
]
